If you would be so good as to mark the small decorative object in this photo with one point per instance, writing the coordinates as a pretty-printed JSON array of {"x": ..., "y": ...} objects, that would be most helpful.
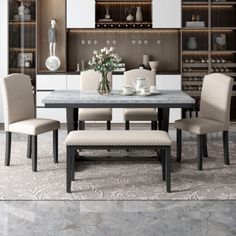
[
  {"x": 140, "y": 83},
  {"x": 21, "y": 9},
  {"x": 23, "y": 58},
  {"x": 146, "y": 59},
  {"x": 139, "y": 15},
  {"x": 53, "y": 63},
  {"x": 154, "y": 65},
  {"x": 27, "y": 64},
  {"x": 78, "y": 67},
  {"x": 107, "y": 15},
  {"x": 192, "y": 43},
  {"x": 130, "y": 18},
  {"x": 82, "y": 65},
  {"x": 104, "y": 61},
  {"x": 198, "y": 17},
  {"x": 193, "y": 18},
  {"x": 219, "y": 41},
  {"x": 27, "y": 10}
]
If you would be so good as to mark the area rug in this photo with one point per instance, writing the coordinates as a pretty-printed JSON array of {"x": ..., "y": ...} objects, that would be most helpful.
[{"x": 116, "y": 175}]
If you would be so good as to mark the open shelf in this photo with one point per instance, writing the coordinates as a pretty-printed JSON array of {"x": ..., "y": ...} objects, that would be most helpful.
[{"x": 122, "y": 14}]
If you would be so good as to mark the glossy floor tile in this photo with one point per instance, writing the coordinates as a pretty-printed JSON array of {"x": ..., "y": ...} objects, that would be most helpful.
[{"x": 118, "y": 218}]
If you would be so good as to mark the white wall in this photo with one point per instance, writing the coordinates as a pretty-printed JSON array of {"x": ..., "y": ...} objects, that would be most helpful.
[{"x": 3, "y": 47}]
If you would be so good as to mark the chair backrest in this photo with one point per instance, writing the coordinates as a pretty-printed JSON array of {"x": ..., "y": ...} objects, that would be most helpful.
[
  {"x": 89, "y": 80},
  {"x": 18, "y": 99},
  {"x": 216, "y": 98},
  {"x": 131, "y": 75}
]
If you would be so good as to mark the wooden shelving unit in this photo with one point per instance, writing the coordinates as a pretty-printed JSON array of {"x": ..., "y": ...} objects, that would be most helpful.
[
  {"x": 22, "y": 39},
  {"x": 118, "y": 11},
  {"x": 209, "y": 56}
]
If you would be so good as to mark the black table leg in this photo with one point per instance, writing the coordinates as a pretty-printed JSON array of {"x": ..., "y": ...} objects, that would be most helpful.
[
  {"x": 163, "y": 117},
  {"x": 72, "y": 119}
]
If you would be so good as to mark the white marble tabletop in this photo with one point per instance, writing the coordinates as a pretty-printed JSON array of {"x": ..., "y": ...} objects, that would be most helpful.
[{"x": 89, "y": 99}]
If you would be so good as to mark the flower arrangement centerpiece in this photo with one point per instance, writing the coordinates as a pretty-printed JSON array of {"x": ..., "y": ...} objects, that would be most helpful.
[{"x": 104, "y": 61}]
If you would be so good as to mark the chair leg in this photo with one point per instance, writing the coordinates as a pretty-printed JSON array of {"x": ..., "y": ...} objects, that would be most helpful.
[
  {"x": 226, "y": 147},
  {"x": 29, "y": 147},
  {"x": 152, "y": 125},
  {"x": 127, "y": 125},
  {"x": 179, "y": 144},
  {"x": 8, "y": 149},
  {"x": 68, "y": 169},
  {"x": 34, "y": 153},
  {"x": 155, "y": 125},
  {"x": 199, "y": 151},
  {"x": 55, "y": 146},
  {"x": 81, "y": 125},
  {"x": 168, "y": 169},
  {"x": 73, "y": 157},
  {"x": 108, "y": 125},
  {"x": 162, "y": 156},
  {"x": 204, "y": 144}
]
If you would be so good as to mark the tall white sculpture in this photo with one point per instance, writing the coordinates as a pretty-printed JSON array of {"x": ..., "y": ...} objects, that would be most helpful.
[{"x": 53, "y": 63}]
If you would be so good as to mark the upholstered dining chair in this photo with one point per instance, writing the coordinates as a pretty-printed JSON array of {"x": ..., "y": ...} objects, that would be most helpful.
[
  {"x": 140, "y": 114},
  {"x": 89, "y": 82},
  {"x": 214, "y": 116},
  {"x": 19, "y": 112}
]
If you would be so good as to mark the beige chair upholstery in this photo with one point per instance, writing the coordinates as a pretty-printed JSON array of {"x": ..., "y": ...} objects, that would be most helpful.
[
  {"x": 19, "y": 112},
  {"x": 139, "y": 114},
  {"x": 214, "y": 115},
  {"x": 89, "y": 81},
  {"x": 118, "y": 138}
]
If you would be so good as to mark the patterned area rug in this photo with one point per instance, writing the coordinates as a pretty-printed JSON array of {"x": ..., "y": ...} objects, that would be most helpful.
[{"x": 117, "y": 177}]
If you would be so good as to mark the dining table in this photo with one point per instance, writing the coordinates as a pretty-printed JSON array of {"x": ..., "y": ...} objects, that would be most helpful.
[{"x": 73, "y": 100}]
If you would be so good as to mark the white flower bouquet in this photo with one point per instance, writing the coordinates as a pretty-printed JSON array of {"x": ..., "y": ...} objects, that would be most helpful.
[{"x": 104, "y": 61}]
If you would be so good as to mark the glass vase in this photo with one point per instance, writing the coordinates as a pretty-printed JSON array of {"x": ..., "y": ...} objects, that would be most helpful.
[{"x": 104, "y": 85}]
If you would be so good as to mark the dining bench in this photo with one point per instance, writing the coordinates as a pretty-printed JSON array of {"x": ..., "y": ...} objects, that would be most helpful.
[{"x": 118, "y": 139}]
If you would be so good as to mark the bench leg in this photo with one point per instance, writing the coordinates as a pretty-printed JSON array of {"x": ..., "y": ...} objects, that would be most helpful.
[
  {"x": 168, "y": 169},
  {"x": 68, "y": 168},
  {"x": 126, "y": 125}
]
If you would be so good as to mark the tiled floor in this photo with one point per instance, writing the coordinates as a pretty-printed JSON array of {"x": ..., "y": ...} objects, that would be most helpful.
[
  {"x": 108, "y": 218},
  {"x": 183, "y": 218}
]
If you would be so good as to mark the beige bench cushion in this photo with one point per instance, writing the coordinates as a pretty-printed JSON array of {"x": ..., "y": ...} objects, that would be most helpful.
[
  {"x": 144, "y": 114},
  {"x": 34, "y": 126},
  {"x": 200, "y": 125},
  {"x": 96, "y": 114},
  {"x": 118, "y": 138}
]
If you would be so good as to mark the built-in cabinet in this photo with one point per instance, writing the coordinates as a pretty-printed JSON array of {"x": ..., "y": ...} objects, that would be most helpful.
[
  {"x": 80, "y": 14},
  {"x": 49, "y": 83},
  {"x": 90, "y": 14},
  {"x": 166, "y": 13}
]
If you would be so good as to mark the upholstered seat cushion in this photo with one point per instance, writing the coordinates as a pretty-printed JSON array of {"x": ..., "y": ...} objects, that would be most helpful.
[
  {"x": 200, "y": 125},
  {"x": 118, "y": 138},
  {"x": 95, "y": 114},
  {"x": 139, "y": 114},
  {"x": 34, "y": 126}
]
